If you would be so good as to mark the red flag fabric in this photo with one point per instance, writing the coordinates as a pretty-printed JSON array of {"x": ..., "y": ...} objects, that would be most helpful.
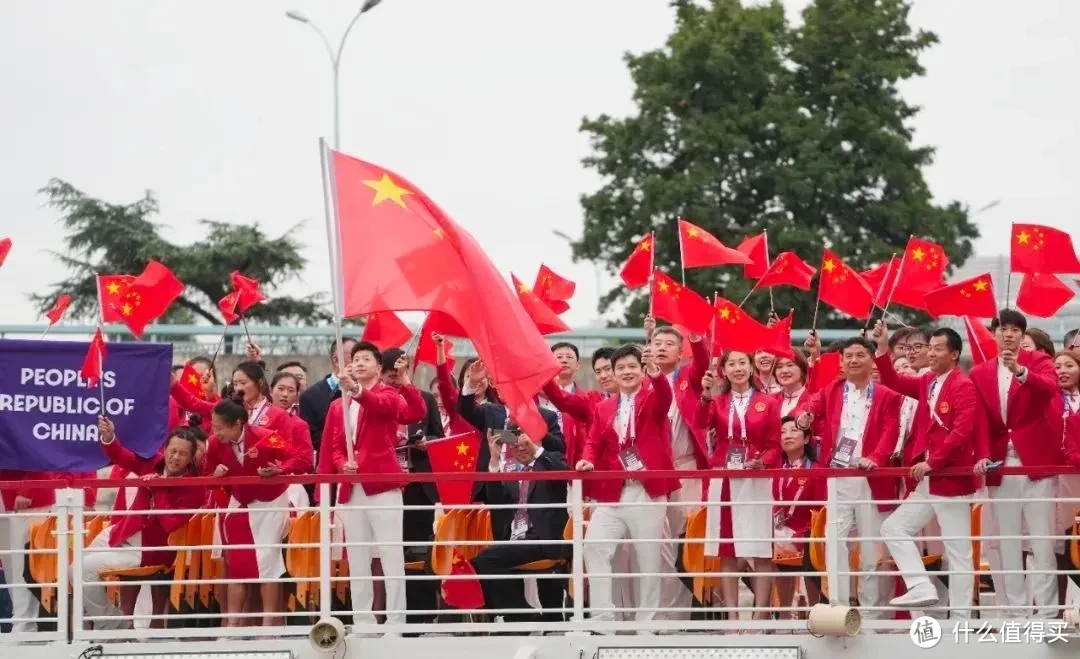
[
  {"x": 1042, "y": 295},
  {"x": 191, "y": 381},
  {"x": 429, "y": 263},
  {"x": 787, "y": 270},
  {"x": 427, "y": 351},
  {"x": 737, "y": 330},
  {"x": 970, "y": 297},
  {"x": 58, "y": 308},
  {"x": 111, "y": 291},
  {"x": 247, "y": 292},
  {"x": 921, "y": 270},
  {"x": 453, "y": 455},
  {"x": 546, "y": 320},
  {"x": 678, "y": 304},
  {"x": 842, "y": 288},
  {"x": 757, "y": 249},
  {"x": 386, "y": 330},
  {"x": 780, "y": 333},
  {"x": 701, "y": 249},
  {"x": 148, "y": 297},
  {"x": 882, "y": 279},
  {"x": 5, "y": 248},
  {"x": 555, "y": 291},
  {"x": 824, "y": 371},
  {"x": 439, "y": 322},
  {"x": 462, "y": 591},
  {"x": 981, "y": 341},
  {"x": 638, "y": 268},
  {"x": 94, "y": 362},
  {"x": 1041, "y": 249},
  {"x": 227, "y": 307}
]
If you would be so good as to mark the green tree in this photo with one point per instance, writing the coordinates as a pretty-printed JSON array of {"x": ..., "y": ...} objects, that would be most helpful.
[
  {"x": 745, "y": 122},
  {"x": 104, "y": 238}
]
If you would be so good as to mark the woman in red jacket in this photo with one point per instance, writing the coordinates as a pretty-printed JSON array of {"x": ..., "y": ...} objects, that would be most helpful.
[
  {"x": 790, "y": 374},
  {"x": 791, "y": 519},
  {"x": 248, "y": 383},
  {"x": 257, "y": 514},
  {"x": 178, "y": 414},
  {"x": 284, "y": 391},
  {"x": 746, "y": 424},
  {"x": 135, "y": 540},
  {"x": 1065, "y": 411}
]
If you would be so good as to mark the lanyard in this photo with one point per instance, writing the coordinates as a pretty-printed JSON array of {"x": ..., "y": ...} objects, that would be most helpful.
[
  {"x": 626, "y": 404},
  {"x": 849, "y": 412},
  {"x": 798, "y": 493},
  {"x": 733, "y": 408},
  {"x": 258, "y": 413}
]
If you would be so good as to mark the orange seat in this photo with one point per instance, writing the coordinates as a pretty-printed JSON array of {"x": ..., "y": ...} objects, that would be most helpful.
[{"x": 694, "y": 559}]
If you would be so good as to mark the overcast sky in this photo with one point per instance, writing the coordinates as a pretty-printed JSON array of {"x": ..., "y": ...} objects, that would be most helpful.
[{"x": 216, "y": 106}]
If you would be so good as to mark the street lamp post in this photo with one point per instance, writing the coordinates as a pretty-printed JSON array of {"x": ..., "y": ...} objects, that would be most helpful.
[{"x": 335, "y": 55}]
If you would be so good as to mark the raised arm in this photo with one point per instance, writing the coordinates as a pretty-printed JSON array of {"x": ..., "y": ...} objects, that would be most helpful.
[
  {"x": 699, "y": 363},
  {"x": 575, "y": 405},
  {"x": 906, "y": 385},
  {"x": 189, "y": 402}
]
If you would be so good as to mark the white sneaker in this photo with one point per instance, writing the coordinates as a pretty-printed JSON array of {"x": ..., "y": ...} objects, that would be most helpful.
[{"x": 921, "y": 596}]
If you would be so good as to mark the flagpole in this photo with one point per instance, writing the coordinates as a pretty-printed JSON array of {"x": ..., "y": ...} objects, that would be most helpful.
[
  {"x": 817, "y": 306},
  {"x": 712, "y": 339},
  {"x": 877, "y": 294},
  {"x": 333, "y": 243},
  {"x": 682, "y": 257},
  {"x": 754, "y": 288},
  {"x": 971, "y": 333},
  {"x": 220, "y": 344},
  {"x": 892, "y": 291},
  {"x": 47, "y": 328},
  {"x": 772, "y": 304},
  {"x": 101, "y": 379},
  {"x": 1008, "y": 289}
]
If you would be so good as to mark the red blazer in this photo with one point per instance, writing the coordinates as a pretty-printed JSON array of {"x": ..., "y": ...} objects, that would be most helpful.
[
  {"x": 448, "y": 394},
  {"x": 39, "y": 498},
  {"x": 687, "y": 394},
  {"x": 155, "y": 528},
  {"x": 951, "y": 443},
  {"x": 300, "y": 436},
  {"x": 762, "y": 428},
  {"x": 786, "y": 491},
  {"x": 262, "y": 448},
  {"x": 382, "y": 409},
  {"x": 652, "y": 441},
  {"x": 879, "y": 437},
  {"x": 1027, "y": 425},
  {"x": 274, "y": 418},
  {"x": 578, "y": 409}
]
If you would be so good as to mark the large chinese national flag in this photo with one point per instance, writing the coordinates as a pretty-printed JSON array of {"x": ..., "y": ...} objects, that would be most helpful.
[{"x": 398, "y": 251}]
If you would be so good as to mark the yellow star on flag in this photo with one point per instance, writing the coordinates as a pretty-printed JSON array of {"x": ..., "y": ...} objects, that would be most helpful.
[
  {"x": 981, "y": 285},
  {"x": 663, "y": 286},
  {"x": 918, "y": 254},
  {"x": 725, "y": 313},
  {"x": 1023, "y": 237},
  {"x": 692, "y": 233},
  {"x": 114, "y": 288},
  {"x": 463, "y": 448},
  {"x": 386, "y": 190},
  {"x": 645, "y": 245},
  {"x": 829, "y": 265},
  {"x": 522, "y": 288},
  {"x": 193, "y": 379},
  {"x": 126, "y": 309}
]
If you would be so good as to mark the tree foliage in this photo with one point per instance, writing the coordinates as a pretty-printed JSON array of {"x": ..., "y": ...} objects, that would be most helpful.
[
  {"x": 745, "y": 122},
  {"x": 105, "y": 238}
]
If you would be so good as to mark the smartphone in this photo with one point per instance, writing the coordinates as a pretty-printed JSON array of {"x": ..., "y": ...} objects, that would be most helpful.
[
  {"x": 994, "y": 465},
  {"x": 507, "y": 437}
]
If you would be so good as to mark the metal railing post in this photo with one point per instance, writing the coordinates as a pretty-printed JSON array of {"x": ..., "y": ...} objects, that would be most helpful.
[
  {"x": 69, "y": 511},
  {"x": 832, "y": 543},
  {"x": 325, "y": 589},
  {"x": 577, "y": 563}
]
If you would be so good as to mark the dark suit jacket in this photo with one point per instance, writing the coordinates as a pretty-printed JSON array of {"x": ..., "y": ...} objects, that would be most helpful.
[
  {"x": 429, "y": 428},
  {"x": 493, "y": 416},
  {"x": 314, "y": 403},
  {"x": 544, "y": 523}
]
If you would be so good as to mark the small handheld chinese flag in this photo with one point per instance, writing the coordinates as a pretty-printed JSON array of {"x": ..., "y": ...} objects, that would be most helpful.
[
  {"x": 1038, "y": 248},
  {"x": 462, "y": 590},
  {"x": 788, "y": 270},
  {"x": 386, "y": 330},
  {"x": 700, "y": 249},
  {"x": 1042, "y": 295},
  {"x": 191, "y": 381},
  {"x": 95, "y": 360},
  {"x": 111, "y": 291},
  {"x": 247, "y": 291},
  {"x": 227, "y": 307},
  {"x": 638, "y": 268},
  {"x": 757, "y": 248},
  {"x": 59, "y": 307},
  {"x": 554, "y": 290},
  {"x": 5, "y": 247},
  {"x": 541, "y": 314},
  {"x": 842, "y": 288},
  {"x": 680, "y": 305},
  {"x": 981, "y": 341},
  {"x": 456, "y": 454},
  {"x": 148, "y": 297},
  {"x": 970, "y": 297},
  {"x": 921, "y": 270}
]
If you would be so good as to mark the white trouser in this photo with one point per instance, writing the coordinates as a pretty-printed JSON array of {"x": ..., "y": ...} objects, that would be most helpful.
[
  {"x": 608, "y": 525},
  {"x": 954, "y": 517},
  {"x": 866, "y": 520},
  {"x": 1037, "y": 513},
  {"x": 673, "y": 593},
  {"x": 382, "y": 526},
  {"x": 23, "y": 603},
  {"x": 99, "y": 558}
]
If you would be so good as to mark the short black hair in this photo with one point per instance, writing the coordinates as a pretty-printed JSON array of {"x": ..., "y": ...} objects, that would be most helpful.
[
  {"x": 366, "y": 346},
  {"x": 344, "y": 341},
  {"x": 1007, "y": 317},
  {"x": 898, "y": 336},
  {"x": 858, "y": 341},
  {"x": 1070, "y": 336},
  {"x": 284, "y": 375},
  {"x": 809, "y": 451},
  {"x": 923, "y": 333},
  {"x": 952, "y": 339},
  {"x": 390, "y": 357},
  {"x": 231, "y": 410},
  {"x": 282, "y": 367},
  {"x": 622, "y": 352},
  {"x": 602, "y": 353},
  {"x": 567, "y": 344}
]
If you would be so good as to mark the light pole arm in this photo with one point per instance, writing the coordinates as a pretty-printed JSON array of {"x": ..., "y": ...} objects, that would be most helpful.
[{"x": 345, "y": 36}]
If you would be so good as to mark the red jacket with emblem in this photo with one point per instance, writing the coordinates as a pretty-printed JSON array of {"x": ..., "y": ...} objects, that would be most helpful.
[
  {"x": 762, "y": 428},
  {"x": 261, "y": 448}
]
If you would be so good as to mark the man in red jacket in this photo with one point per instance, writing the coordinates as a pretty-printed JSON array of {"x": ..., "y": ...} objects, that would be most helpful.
[
  {"x": 372, "y": 511},
  {"x": 944, "y": 437},
  {"x": 630, "y": 434},
  {"x": 37, "y": 502},
  {"x": 1015, "y": 392}
]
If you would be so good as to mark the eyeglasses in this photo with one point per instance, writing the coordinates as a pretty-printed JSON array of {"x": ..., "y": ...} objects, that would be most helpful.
[{"x": 915, "y": 347}]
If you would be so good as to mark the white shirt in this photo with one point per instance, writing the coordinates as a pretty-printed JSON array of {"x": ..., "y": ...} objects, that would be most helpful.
[
  {"x": 238, "y": 448},
  {"x": 681, "y": 443},
  {"x": 790, "y": 401},
  {"x": 624, "y": 417},
  {"x": 1005, "y": 378},
  {"x": 738, "y": 406},
  {"x": 1074, "y": 402},
  {"x": 935, "y": 390},
  {"x": 907, "y": 416},
  {"x": 853, "y": 416}
]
